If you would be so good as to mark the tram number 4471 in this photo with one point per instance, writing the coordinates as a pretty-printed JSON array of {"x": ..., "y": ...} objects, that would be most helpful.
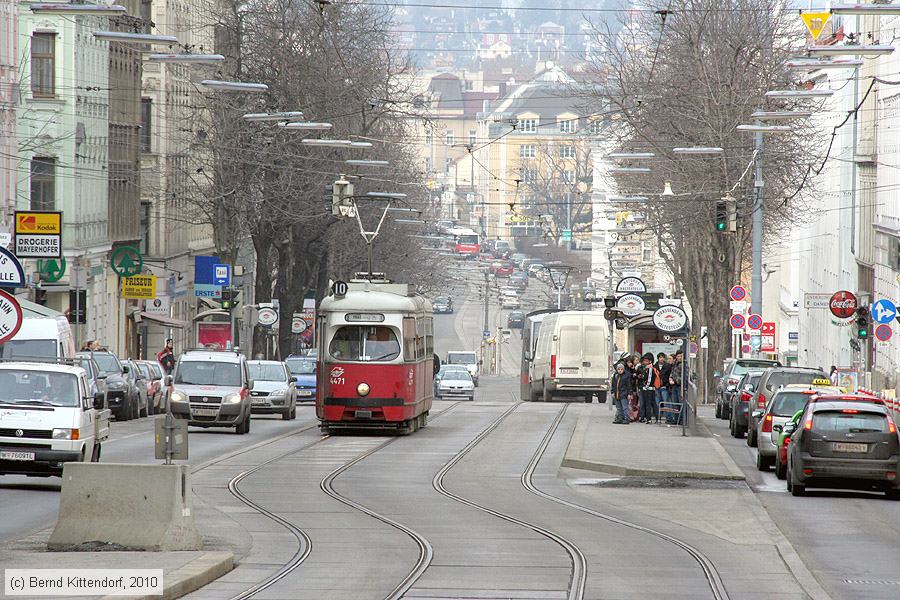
[{"x": 337, "y": 381}]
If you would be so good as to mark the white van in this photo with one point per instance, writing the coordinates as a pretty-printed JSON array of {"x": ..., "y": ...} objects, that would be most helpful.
[
  {"x": 48, "y": 417},
  {"x": 40, "y": 337},
  {"x": 465, "y": 357},
  {"x": 571, "y": 357}
]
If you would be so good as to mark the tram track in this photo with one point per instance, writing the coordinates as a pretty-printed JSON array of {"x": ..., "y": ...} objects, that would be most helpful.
[{"x": 716, "y": 585}]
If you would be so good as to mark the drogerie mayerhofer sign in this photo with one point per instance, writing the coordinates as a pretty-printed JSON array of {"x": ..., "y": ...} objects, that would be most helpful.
[{"x": 38, "y": 234}]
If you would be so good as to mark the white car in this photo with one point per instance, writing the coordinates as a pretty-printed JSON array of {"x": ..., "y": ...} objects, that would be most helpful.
[
  {"x": 467, "y": 358},
  {"x": 455, "y": 383},
  {"x": 510, "y": 302}
]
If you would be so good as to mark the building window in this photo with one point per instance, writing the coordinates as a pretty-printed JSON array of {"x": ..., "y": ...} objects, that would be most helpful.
[
  {"x": 146, "y": 122},
  {"x": 448, "y": 162},
  {"x": 527, "y": 151},
  {"x": 646, "y": 252},
  {"x": 145, "y": 228},
  {"x": 594, "y": 127},
  {"x": 43, "y": 65},
  {"x": 43, "y": 183},
  {"x": 428, "y": 138},
  {"x": 568, "y": 176},
  {"x": 472, "y": 137},
  {"x": 526, "y": 125},
  {"x": 567, "y": 126},
  {"x": 567, "y": 151},
  {"x": 529, "y": 175},
  {"x": 451, "y": 139}
]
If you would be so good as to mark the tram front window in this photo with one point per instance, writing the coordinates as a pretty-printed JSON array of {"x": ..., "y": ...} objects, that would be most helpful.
[{"x": 364, "y": 343}]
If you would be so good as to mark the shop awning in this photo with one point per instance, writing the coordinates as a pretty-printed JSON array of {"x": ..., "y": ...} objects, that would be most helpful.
[{"x": 162, "y": 320}]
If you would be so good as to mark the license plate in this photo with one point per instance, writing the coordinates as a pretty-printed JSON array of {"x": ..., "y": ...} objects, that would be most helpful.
[
  {"x": 569, "y": 370},
  {"x": 364, "y": 414},
  {"x": 7, "y": 455},
  {"x": 847, "y": 447},
  {"x": 206, "y": 412},
  {"x": 304, "y": 393},
  {"x": 256, "y": 401}
]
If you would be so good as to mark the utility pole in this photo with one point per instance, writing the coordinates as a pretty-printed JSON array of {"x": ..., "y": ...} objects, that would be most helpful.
[{"x": 756, "y": 291}]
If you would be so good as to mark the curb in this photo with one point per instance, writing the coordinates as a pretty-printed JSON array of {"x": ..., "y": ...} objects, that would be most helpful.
[
  {"x": 192, "y": 576},
  {"x": 732, "y": 466}
]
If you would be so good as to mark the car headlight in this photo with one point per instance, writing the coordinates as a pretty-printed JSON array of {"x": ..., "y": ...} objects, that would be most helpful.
[
  {"x": 178, "y": 397},
  {"x": 233, "y": 398},
  {"x": 65, "y": 434},
  {"x": 281, "y": 392},
  {"x": 363, "y": 389},
  {"x": 116, "y": 385}
]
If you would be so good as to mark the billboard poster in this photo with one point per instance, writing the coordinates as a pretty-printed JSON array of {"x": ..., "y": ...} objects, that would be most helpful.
[{"x": 215, "y": 336}]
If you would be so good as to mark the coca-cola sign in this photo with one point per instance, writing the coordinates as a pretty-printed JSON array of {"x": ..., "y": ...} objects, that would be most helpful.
[{"x": 843, "y": 304}]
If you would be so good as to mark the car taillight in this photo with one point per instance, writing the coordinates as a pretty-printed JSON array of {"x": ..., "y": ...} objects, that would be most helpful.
[
  {"x": 808, "y": 424},
  {"x": 552, "y": 365},
  {"x": 850, "y": 411},
  {"x": 891, "y": 427},
  {"x": 761, "y": 401},
  {"x": 767, "y": 424},
  {"x": 745, "y": 396}
]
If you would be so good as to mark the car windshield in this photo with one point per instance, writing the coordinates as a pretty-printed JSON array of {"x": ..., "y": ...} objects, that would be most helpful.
[
  {"x": 442, "y": 300},
  {"x": 208, "y": 373},
  {"x": 456, "y": 375},
  {"x": 145, "y": 370},
  {"x": 461, "y": 358},
  {"x": 108, "y": 363},
  {"x": 28, "y": 348},
  {"x": 267, "y": 372},
  {"x": 364, "y": 343},
  {"x": 38, "y": 387},
  {"x": 744, "y": 366},
  {"x": 841, "y": 422},
  {"x": 751, "y": 380},
  {"x": 301, "y": 366},
  {"x": 780, "y": 378},
  {"x": 786, "y": 404}
]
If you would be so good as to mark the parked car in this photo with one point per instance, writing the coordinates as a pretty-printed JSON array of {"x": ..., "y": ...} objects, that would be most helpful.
[
  {"x": 303, "y": 369},
  {"x": 842, "y": 443},
  {"x": 779, "y": 411},
  {"x": 141, "y": 387},
  {"x": 773, "y": 379},
  {"x": 121, "y": 395},
  {"x": 212, "y": 389},
  {"x": 739, "y": 414},
  {"x": 442, "y": 305},
  {"x": 515, "y": 319},
  {"x": 454, "y": 383},
  {"x": 96, "y": 381},
  {"x": 274, "y": 390},
  {"x": 157, "y": 392},
  {"x": 734, "y": 369}
]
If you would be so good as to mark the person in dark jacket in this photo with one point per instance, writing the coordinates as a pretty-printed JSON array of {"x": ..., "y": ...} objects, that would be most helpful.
[
  {"x": 650, "y": 380},
  {"x": 622, "y": 388}
]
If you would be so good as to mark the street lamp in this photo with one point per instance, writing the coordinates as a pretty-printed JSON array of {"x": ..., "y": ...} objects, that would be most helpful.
[
  {"x": 629, "y": 155},
  {"x": 698, "y": 150},
  {"x": 135, "y": 38},
  {"x": 306, "y": 126},
  {"x": 234, "y": 86},
  {"x": 186, "y": 58},
  {"x": 667, "y": 189},
  {"x": 626, "y": 198},
  {"x": 630, "y": 170},
  {"x": 850, "y": 50},
  {"x": 780, "y": 115},
  {"x": 326, "y": 143},
  {"x": 865, "y": 9},
  {"x": 799, "y": 94},
  {"x": 277, "y": 116},
  {"x": 389, "y": 195},
  {"x": 764, "y": 128},
  {"x": 814, "y": 64},
  {"x": 78, "y": 9},
  {"x": 367, "y": 163}
]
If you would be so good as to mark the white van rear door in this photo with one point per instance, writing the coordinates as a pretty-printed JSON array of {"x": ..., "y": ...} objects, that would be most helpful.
[
  {"x": 595, "y": 359},
  {"x": 569, "y": 346}
]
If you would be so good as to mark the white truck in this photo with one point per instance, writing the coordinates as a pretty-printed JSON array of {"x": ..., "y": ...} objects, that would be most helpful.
[
  {"x": 468, "y": 358},
  {"x": 571, "y": 357},
  {"x": 48, "y": 417}
]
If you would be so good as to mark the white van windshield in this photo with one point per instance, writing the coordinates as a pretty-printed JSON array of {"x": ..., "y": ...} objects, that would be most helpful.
[
  {"x": 38, "y": 387},
  {"x": 461, "y": 358},
  {"x": 28, "y": 349}
]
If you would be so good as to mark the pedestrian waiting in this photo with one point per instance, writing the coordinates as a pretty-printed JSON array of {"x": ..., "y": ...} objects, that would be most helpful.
[{"x": 622, "y": 390}]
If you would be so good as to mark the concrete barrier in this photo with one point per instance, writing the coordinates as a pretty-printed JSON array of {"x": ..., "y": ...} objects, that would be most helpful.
[{"x": 137, "y": 507}]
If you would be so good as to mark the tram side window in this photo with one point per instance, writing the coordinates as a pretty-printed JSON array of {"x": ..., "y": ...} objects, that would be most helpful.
[
  {"x": 409, "y": 339},
  {"x": 364, "y": 343},
  {"x": 429, "y": 337},
  {"x": 420, "y": 339}
]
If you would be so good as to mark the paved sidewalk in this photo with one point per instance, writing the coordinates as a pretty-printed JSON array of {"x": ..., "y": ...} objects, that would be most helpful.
[{"x": 645, "y": 450}]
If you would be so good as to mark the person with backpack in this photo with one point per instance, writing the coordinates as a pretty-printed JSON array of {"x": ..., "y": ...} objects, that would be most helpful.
[
  {"x": 622, "y": 388},
  {"x": 166, "y": 357}
]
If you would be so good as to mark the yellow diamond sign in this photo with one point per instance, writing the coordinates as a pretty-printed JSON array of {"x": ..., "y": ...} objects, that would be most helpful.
[{"x": 815, "y": 22}]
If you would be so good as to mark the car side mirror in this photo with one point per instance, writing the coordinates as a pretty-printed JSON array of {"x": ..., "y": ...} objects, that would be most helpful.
[
  {"x": 167, "y": 380},
  {"x": 293, "y": 379},
  {"x": 789, "y": 428},
  {"x": 98, "y": 402},
  {"x": 126, "y": 369},
  {"x": 777, "y": 428},
  {"x": 757, "y": 414},
  {"x": 102, "y": 376},
  {"x": 731, "y": 388}
]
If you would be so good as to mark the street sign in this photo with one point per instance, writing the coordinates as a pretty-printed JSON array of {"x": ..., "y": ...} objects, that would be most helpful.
[
  {"x": 159, "y": 305},
  {"x": 884, "y": 311},
  {"x": 754, "y": 322},
  {"x": 298, "y": 323},
  {"x": 843, "y": 304},
  {"x": 631, "y": 285},
  {"x": 267, "y": 316},
  {"x": 738, "y": 293},
  {"x": 566, "y": 235},
  {"x": 38, "y": 234},
  {"x": 126, "y": 261},
  {"x": 694, "y": 349},
  {"x": 755, "y": 342},
  {"x": 816, "y": 300},
  {"x": 631, "y": 304},
  {"x": 737, "y": 321},
  {"x": 746, "y": 348},
  {"x": 340, "y": 288},
  {"x": 815, "y": 22},
  {"x": 207, "y": 290},
  {"x": 485, "y": 334},
  {"x": 883, "y": 333},
  {"x": 139, "y": 287},
  {"x": 11, "y": 273},
  {"x": 767, "y": 333},
  {"x": 52, "y": 269},
  {"x": 704, "y": 337},
  {"x": 222, "y": 274},
  {"x": 738, "y": 306},
  {"x": 10, "y": 316},
  {"x": 669, "y": 318}
]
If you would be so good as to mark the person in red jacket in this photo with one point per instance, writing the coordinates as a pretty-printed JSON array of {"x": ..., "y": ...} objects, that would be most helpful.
[{"x": 166, "y": 358}]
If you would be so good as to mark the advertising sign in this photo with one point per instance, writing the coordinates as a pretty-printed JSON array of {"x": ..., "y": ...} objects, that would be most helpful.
[
  {"x": 631, "y": 305},
  {"x": 215, "y": 336},
  {"x": 816, "y": 300},
  {"x": 38, "y": 234},
  {"x": 767, "y": 332},
  {"x": 159, "y": 305},
  {"x": 139, "y": 287},
  {"x": 669, "y": 318},
  {"x": 631, "y": 285},
  {"x": 843, "y": 304}
]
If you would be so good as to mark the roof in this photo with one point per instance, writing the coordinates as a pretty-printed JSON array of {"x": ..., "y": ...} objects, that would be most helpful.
[
  {"x": 820, "y": 406},
  {"x": 41, "y": 366},
  {"x": 211, "y": 355},
  {"x": 373, "y": 301},
  {"x": 548, "y": 95},
  {"x": 265, "y": 362},
  {"x": 447, "y": 89}
]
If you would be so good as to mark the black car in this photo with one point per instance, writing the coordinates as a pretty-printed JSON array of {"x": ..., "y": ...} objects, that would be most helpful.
[
  {"x": 843, "y": 443},
  {"x": 515, "y": 319},
  {"x": 442, "y": 305},
  {"x": 772, "y": 380},
  {"x": 739, "y": 413},
  {"x": 121, "y": 395},
  {"x": 735, "y": 368}
]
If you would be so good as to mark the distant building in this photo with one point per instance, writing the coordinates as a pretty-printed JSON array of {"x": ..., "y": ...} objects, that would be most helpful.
[{"x": 9, "y": 95}]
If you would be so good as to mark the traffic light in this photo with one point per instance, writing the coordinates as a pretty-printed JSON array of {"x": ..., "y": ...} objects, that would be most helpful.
[
  {"x": 862, "y": 323},
  {"x": 341, "y": 194},
  {"x": 229, "y": 298},
  {"x": 726, "y": 214}
]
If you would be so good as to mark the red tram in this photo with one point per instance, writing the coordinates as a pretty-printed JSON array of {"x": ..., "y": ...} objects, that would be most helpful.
[{"x": 375, "y": 368}]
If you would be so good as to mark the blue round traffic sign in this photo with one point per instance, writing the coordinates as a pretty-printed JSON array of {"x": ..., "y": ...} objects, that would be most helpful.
[
  {"x": 754, "y": 322},
  {"x": 883, "y": 333},
  {"x": 884, "y": 311},
  {"x": 738, "y": 293},
  {"x": 737, "y": 321}
]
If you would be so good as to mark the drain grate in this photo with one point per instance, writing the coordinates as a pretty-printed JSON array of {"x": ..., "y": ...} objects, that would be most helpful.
[
  {"x": 871, "y": 582},
  {"x": 666, "y": 482}
]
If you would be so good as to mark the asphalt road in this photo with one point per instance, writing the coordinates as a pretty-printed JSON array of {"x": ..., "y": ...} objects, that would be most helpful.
[{"x": 849, "y": 540}]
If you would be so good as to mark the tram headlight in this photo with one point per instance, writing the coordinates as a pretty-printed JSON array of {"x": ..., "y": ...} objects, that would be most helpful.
[{"x": 363, "y": 389}]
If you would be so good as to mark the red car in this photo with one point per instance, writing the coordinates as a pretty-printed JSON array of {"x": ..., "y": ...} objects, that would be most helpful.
[{"x": 503, "y": 270}]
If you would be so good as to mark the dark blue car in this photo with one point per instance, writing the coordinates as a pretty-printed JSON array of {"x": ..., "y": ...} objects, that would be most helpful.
[{"x": 304, "y": 369}]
